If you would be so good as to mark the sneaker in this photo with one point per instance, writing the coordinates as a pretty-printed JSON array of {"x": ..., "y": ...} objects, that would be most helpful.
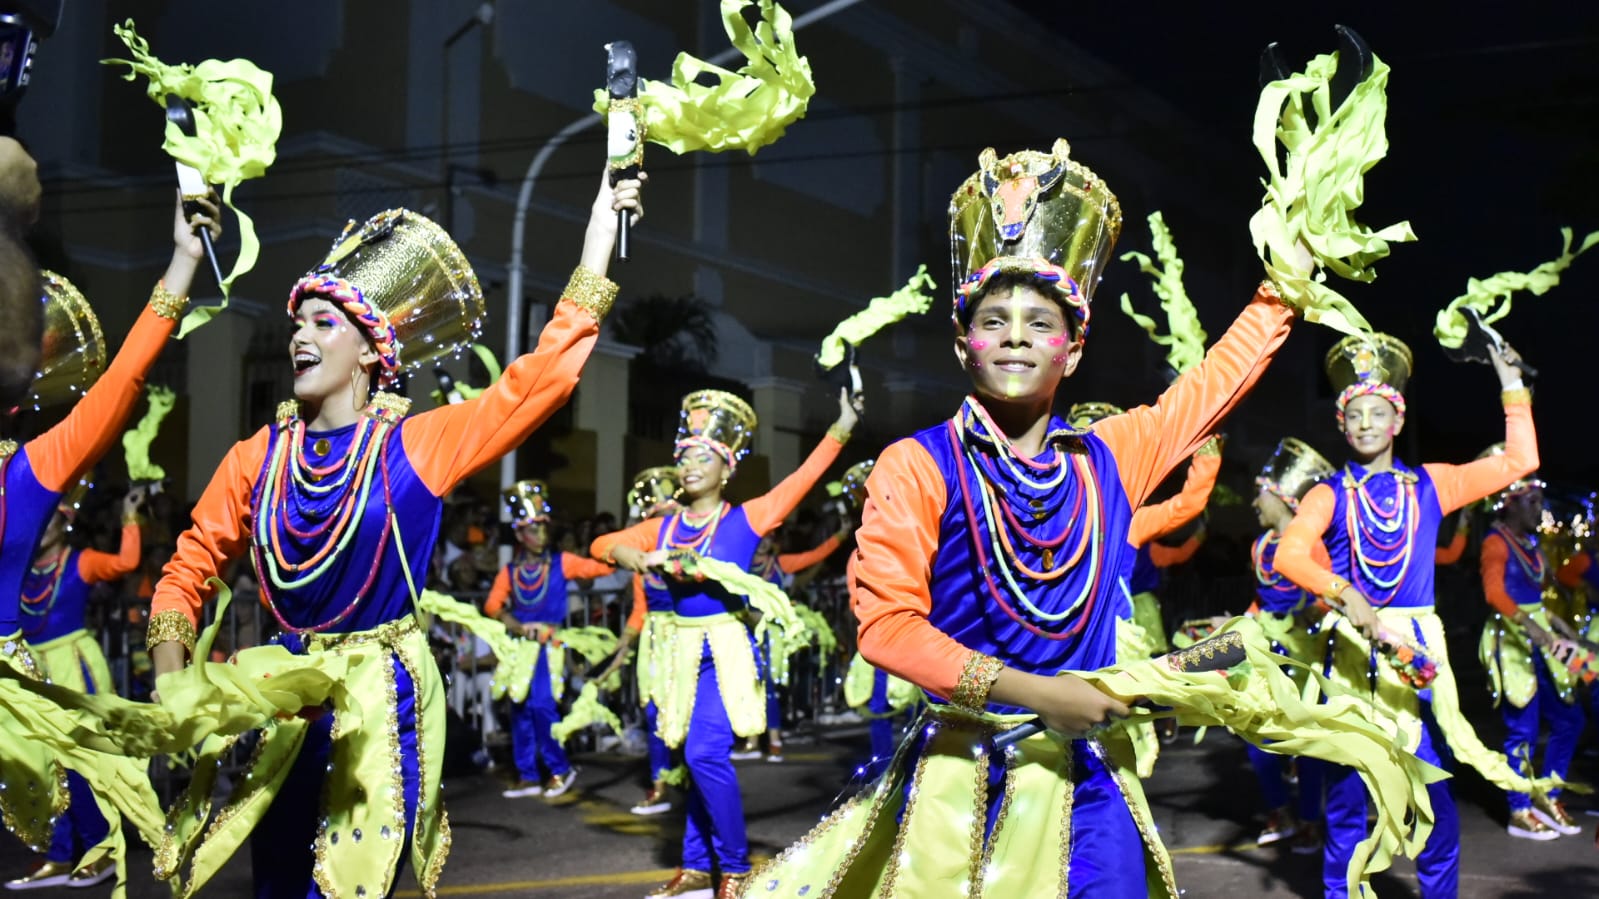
[
  {"x": 732, "y": 886},
  {"x": 96, "y": 873},
  {"x": 1308, "y": 840},
  {"x": 44, "y": 874},
  {"x": 687, "y": 883},
  {"x": 523, "y": 788},
  {"x": 1553, "y": 813},
  {"x": 774, "y": 752},
  {"x": 1280, "y": 825},
  {"x": 559, "y": 784},
  {"x": 655, "y": 801},
  {"x": 1525, "y": 825},
  {"x": 751, "y": 749}
]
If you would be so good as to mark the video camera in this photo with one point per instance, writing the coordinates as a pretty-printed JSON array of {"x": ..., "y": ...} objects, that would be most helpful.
[{"x": 23, "y": 24}]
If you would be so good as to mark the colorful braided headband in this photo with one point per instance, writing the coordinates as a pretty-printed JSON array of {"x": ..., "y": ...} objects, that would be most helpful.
[
  {"x": 1275, "y": 489},
  {"x": 1371, "y": 388},
  {"x": 1040, "y": 270},
  {"x": 721, "y": 450},
  {"x": 371, "y": 319}
]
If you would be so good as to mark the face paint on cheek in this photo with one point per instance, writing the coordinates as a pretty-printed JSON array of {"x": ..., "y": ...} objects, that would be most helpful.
[
  {"x": 976, "y": 345},
  {"x": 1058, "y": 360},
  {"x": 1057, "y": 341}
]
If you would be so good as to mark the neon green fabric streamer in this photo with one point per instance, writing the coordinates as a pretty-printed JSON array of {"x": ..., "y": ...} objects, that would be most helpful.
[
  {"x": 1311, "y": 198},
  {"x": 136, "y": 442},
  {"x": 1491, "y": 296},
  {"x": 881, "y": 312},
  {"x": 596, "y": 644},
  {"x": 237, "y": 122},
  {"x": 587, "y": 709},
  {"x": 467, "y": 391},
  {"x": 1222, "y": 496},
  {"x": 745, "y": 110},
  {"x": 1185, "y": 344},
  {"x": 820, "y": 630}
]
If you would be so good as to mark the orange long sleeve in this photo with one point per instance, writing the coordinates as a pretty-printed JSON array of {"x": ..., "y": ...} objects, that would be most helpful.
[
  {"x": 1458, "y": 485},
  {"x": 63, "y": 453},
  {"x": 635, "y": 615},
  {"x": 789, "y": 563},
  {"x": 447, "y": 444},
  {"x": 766, "y": 512},
  {"x": 95, "y": 566},
  {"x": 891, "y": 570},
  {"x": 1296, "y": 559},
  {"x": 499, "y": 592},
  {"x": 1449, "y": 555},
  {"x": 1156, "y": 520},
  {"x": 220, "y": 532},
  {"x": 642, "y": 537},
  {"x": 575, "y": 566},
  {"x": 1571, "y": 573},
  {"x": 1149, "y": 441},
  {"x": 1163, "y": 556},
  {"x": 1494, "y": 556}
]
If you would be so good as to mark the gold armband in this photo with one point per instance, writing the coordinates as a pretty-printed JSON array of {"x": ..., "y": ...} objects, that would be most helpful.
[
  {"x": 167, "y": 304},
  {"x": 1334, "y": 590},
  {"x": 170, "y": 626},
  {"x": 977, "y": 678},
  {"x": 838, "y": 433},
  {"x": 593, "y": 292},
  {"x": 1520, "y": 396}
]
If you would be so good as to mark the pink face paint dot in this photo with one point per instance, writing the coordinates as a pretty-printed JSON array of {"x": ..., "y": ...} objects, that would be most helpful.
[
  {"x": 1058, "y": 360},
  {"x": 1057, "y": 341},
  {"x": 978, "y": 344}
]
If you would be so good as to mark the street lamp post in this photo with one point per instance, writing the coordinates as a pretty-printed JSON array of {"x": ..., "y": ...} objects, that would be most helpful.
[{"x": 482, "y": 17}]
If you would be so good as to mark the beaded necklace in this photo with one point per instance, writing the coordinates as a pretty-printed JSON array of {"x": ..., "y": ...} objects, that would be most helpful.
[
  {"x": 41, "y": 603},
  {"x": 337, "y": 503},
  {"x": 1001, "y": 526},
  {"x": 530, "y": 580},
  {"x": 1525, "y": 552},
  {"x": 1266, "y": 577},
  {"x": 1367, "y": 524},
  {"x": 698, "y": 540}
]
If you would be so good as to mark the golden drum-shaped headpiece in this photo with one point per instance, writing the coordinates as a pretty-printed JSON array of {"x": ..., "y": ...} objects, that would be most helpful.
[
  {"x": 852, "y": 486},
  {"x": 528, "y": 501},
  {"x": 1496, "y": 501},
  {"x": 652, "y": 488},
  {"x": 1292, "y": 470},
  {"x": 73, "y": 354},
  {"x": 1084, "y": 415},
  {"x": 423, "y": 300},
  {"x": 1381, "y": 358},
  {"x": 720, "y": 420},
  {"x": 1033, "y": 213}
]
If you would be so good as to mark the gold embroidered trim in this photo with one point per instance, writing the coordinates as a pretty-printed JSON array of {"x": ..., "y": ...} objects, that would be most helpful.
[
  {"x": 169, "y": 626},
  {"x": 167, "y": 304},
  {"x": 388, "y": 407},
  {"x": 1195, "y": 657},
  {"x": 977, "y": 678},
  {"x": 838, "y": 433},
  {"x": 1521, "y": 396},
  {"x": 8, "y": 448},
  {"x": 1154, "y": 850},
  {"x": 591, "y": 291},
  {"x": 1211, "y": 447},
  {"x": 288, "y": 411}
]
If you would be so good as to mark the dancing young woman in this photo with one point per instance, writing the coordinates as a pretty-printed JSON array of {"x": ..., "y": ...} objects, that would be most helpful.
[
  {"x": 1379, "y": 519},
  {"x": 1522, "y": 648},
  {"x": 529, "y": 595},
  {"x": 36, "y": 474},
  {"x": 338, "y": 505},
  {"x": 711, "y": 686},
  {"x": 55, "y": 598}
]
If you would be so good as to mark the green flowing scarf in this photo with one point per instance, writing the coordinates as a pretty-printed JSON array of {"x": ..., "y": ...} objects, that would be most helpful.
[
  {"x": 136, "y": 442},
  {"x": 237, "y": 123},
  {"x": 744, "y": 110},
  {"x": 1490, "y": 297},
  {"x": 467, "y": 391},
  {"x": 881, "y": 312},
  {"x": 1185, "y": 344},
  {"x": 1311, "y": 198}
]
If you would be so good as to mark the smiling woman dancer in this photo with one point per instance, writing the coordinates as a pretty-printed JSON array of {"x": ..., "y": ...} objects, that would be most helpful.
[
  {"x": 711, "y": 690},
  {"x": 338, "y": 506}
]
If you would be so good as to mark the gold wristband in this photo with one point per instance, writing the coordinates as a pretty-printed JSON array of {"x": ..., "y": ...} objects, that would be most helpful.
[
  {"x": 170, "y": 626},
  {"x": 838, "y": 433},
  {"x": 591, "y": 291},
  {"x": 1521, "y": 396},
  {"x": 167, "y": 304},
  {"x": 977, "y": 678},
  {"x": 1334, "y": 590},
  {"x": 133, "y": 518}
]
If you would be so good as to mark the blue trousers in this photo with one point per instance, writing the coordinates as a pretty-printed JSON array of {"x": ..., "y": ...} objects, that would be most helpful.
[
  {"x": 1271, "y": 770},
  {"x": 660, "y": 755},
  {"x": 1564, "y": 719},
  {"x": 531, "y": 721},
  {"x": 1438, "y": 863},
  {"x": 1107, "y": 859},
  {"x": 281, "y": 853},
  {"x": 715, "y": 820},
  {"x": 82, "y": 826}
]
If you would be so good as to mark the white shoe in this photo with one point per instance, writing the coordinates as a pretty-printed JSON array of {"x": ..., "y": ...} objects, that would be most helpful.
[
  {"x": 559, "y": 784},
  {"x": 523, "y": 788},
  {"x": 1554, "y": 814},
  {"x": 744, "y": 755},
  {"x": 1525, "y": 825}
]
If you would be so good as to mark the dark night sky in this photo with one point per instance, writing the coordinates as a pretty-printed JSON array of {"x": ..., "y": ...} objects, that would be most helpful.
[{"x": 1494, "y": 132}]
